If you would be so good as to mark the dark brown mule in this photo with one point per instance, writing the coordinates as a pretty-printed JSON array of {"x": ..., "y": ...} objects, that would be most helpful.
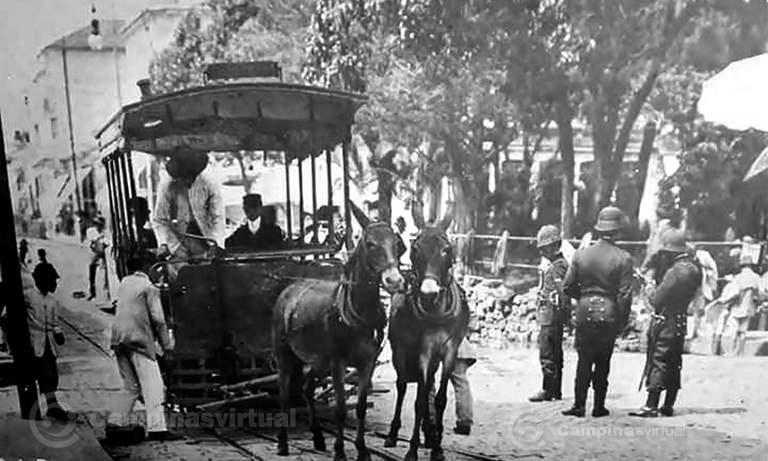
[
  {"x": 331, "y": 325},
  {"x": 427, "y": 325}
]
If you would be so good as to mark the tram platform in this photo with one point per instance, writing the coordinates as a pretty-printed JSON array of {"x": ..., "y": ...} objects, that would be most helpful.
[{"x": 46, "y": 440}]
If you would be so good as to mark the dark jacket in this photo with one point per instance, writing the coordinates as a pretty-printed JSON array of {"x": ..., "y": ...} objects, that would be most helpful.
[
  {"x": 677, "y": 289},
  {"x": 552, "y": 306},
  {"x": 269, "y": 236},
  {"x": 666, "y": 335},
  {"x": 600, "y": 278}
]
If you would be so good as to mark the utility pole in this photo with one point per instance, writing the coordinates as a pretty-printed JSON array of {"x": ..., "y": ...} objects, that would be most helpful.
[
  {"x": 18, "y": 331},
  {"x": 71, "y": 132}
]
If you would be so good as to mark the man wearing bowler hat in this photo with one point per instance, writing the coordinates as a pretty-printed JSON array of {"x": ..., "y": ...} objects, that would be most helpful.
[
  {"x": 259, "y": 230},
  {"x": 600, "y": 280}
]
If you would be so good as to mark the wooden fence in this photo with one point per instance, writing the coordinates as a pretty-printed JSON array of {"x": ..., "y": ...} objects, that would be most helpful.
[{"x": 477, "y": 253}]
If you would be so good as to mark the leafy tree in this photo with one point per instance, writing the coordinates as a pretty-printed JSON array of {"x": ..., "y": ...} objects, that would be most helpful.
[
  {"x": 709, "y": 184},
  {"x": 236, "y": 31},
  {"x": 431, "y": 91}
]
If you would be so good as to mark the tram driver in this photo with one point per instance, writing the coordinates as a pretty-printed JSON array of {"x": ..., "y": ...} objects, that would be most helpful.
[{"x": 190, "y": 207}]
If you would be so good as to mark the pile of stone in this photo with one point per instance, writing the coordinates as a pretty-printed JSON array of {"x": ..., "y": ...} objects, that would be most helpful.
[{"x": 504, "y": 317}]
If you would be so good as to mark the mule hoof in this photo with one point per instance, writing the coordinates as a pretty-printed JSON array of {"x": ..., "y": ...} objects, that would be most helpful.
[
  {"x": 340, "y": 456},
  {"x": 282, "y": 451},
  {"x": 390, "y": 442},
  {"x": 363, "y": 456},
  {"x": 437, "y": 455},
  {"x": 412, "y": 455}
]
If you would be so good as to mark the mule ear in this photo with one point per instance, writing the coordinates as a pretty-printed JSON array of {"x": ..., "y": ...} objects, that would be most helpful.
[
  {"x": 447, "y": 220},
  {"x": 360, "y": 215},
  {"x": 417, "y": 211}
]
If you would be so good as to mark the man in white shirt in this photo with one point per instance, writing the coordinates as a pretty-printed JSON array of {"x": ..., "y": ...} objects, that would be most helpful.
[
  {"x": 188, "y": 204},
  {"x": 740, "y": 298},
  {"x": 98, "y": 245},
  {"x": 138, "y": 329}
]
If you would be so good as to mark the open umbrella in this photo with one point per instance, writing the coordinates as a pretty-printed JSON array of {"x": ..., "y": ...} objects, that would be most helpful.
[{"x": 737, "y": 96}]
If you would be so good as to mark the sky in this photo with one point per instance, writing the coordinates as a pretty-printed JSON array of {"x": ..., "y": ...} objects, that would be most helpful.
[{"x": 26, "y": 26}]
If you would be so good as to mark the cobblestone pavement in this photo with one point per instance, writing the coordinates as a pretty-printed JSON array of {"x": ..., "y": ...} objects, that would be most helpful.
[{"x": 721, "y": 414}]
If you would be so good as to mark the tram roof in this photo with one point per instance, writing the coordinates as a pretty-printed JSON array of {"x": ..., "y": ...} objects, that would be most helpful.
[{"x": 298, "y": 119}]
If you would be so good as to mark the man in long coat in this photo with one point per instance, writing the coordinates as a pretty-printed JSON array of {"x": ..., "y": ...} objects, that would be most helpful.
[
  {"x": 600, "y": 279},
  {"x": 680, "y": 279}
]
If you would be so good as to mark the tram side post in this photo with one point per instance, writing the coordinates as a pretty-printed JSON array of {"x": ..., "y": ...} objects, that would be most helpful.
[{"x": 18, "y": 336}]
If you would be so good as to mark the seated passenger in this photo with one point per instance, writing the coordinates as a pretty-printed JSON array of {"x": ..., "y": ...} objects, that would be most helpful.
[
  {"x": 189, "y": 203},
  {"x": 145, "y": 246},
  {"x": 270, "y": 235},
  {"x": 145, "y": 238},
  {"x": 259, "y": 231}
]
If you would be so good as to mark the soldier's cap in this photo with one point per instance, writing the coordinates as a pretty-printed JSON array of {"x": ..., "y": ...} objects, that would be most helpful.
[
  {"x": 674, "y": 241},
  {"x": 252, "y": 200},
  {"x": 610, "y": 219},
  {"x": 547, "y": 235}
]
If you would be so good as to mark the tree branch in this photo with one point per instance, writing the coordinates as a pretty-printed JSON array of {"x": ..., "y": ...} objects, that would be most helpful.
[{"x": 672, "y": 30}]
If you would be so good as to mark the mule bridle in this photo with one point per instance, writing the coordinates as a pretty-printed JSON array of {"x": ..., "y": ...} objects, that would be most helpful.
[
  {"x": 447, "y": 284},
  {"x": 348, "y": 314}
]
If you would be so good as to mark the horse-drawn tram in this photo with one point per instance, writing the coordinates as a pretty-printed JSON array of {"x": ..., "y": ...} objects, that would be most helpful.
[{"x": 219, "y": 300}]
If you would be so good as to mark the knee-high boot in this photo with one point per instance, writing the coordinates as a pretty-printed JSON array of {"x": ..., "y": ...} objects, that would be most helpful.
[
  {"x": 651, "y": 408},
  {"x": 669, "y": 403},
  {"x": 599, "y": 407}
]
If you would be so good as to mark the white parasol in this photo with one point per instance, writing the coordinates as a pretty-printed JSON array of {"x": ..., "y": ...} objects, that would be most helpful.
[{"x": 737, "y": 96}]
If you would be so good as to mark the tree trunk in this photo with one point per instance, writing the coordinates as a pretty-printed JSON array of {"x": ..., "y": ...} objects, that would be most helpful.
[
  {"x": 565, "y": 133},
  {"x": 386, "y": 174},
  {"x": 246, "y": 182},
  {"x": 644, "y": 158},
  {"x": 434, "y": 193},
  {"x": 466, "y": 205}
]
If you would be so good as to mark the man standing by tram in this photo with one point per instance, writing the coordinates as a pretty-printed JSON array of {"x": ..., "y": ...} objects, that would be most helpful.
[
  {"x": 189, "y": 207},
  {"x": 680, "y": 277},
  {"x": 551, "y": 315},
  {"x": 600, "y": 279}
]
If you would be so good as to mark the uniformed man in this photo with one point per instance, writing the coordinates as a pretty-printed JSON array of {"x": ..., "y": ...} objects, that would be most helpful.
[
  {"x": 680, "y": 277},
  {"x": 600, "y": 279},
  {"x": 551, "y": 315}
]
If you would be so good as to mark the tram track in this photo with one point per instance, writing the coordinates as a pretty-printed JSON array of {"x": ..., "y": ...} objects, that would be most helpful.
[{"x": 245, "y": 440}]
